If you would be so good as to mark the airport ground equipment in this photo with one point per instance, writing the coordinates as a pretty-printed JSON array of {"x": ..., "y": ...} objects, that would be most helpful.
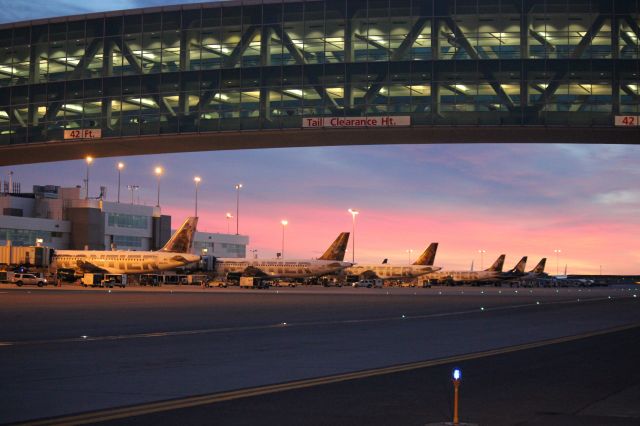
[
  {"x": 253, "y": 282},
  {"x": 92, "y": 280},
  {"x": 117, "y": 280},
  {"x": 217, "y": 283},
  {"x": 197, "y": 279},
  {"x": 369, "y": 283},
  {"x": 21, "y": 279}
]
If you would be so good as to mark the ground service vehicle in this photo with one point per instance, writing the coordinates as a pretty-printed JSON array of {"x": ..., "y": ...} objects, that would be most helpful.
[
  {"x": 111, "y": 280},
  {"x": 150, "y": 279},
  {"x": 377, "y": 283},
  {"x": 92, "y": 280},
  {"x": 20, "y": 279},
  {"x": 217, "y": 283},
  {"x": 197, "y": 279},
  {"x": 252, "y": 282}
]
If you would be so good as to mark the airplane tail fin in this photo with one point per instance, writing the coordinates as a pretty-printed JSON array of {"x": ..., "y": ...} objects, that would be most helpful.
[
  {"x": 385, "y": 261},
  {"x": 539, "y": 269},
  {"x": 519, "y": 268},
  {"x": 337, "y": 249},
  {"x": 428, "y": 256},
  {"x": 498, "y": 264},
  {"x": 182, "y": 240}
]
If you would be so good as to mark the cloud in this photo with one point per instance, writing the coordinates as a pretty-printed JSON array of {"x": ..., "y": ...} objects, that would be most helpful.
[
  {"x": 39, "y": 9},
  {"x": 618, "y": 197}
]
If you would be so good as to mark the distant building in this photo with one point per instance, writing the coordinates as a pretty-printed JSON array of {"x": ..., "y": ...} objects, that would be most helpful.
[{"x": 63, "y": 219}]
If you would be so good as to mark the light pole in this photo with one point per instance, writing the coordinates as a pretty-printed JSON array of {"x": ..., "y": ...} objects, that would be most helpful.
[
  {"x": 354, "y": 213},
  {"x": 159, "y": 172},
  {"x": 557, "y": 252},
  {"x": 120, "y": 167},
  {"x": 482, "y": 252},
  {"x": 89, "y": 160},
  {"x": 197, "y": 182},
  {"x": 284, "y": 224},
  {"x": 132, "y": 188},
  {"x": 238, "y": 188},
  {"x": 229, "y": 217},
  {"x": 409, "y": 251}
]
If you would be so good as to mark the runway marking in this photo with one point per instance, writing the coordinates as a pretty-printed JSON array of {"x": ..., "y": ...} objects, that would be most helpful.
[
  {"x": 157, "y": 407},
  {"x": 148, "y": 335}
]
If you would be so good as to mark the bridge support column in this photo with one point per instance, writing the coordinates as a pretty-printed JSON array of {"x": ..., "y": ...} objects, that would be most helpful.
[
  {"x": 34, "y": 63},
  {"x": 107, "y": 71},
  {"x": 265, "y": 61},
  {"x": 435, "y": 56},
  {"x": 185, "y": 65},
  {"x": 107, "y": 58}
]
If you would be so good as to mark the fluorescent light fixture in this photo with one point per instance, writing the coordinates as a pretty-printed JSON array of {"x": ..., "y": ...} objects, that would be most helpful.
[
  {"x": 378, "y": 39},
  {"x": 73, "y": 107},
  {"x": 145, "y": 54},
  {"x": 6, "y": 69},
  {"x": 461, "y": 87},
  {"x": 218, "y": 47},
  {"x": 221, "y": 97},
  {"x": 142, "y": 101},
  {"x": 634, "y": 87},
  {"x": 295, "y": 92}
]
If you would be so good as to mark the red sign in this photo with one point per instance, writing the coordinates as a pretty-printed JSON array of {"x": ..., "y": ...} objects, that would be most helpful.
[
  {"x": 83, "y": 134},
  {"x": 627, "y": 121},
  {"x": 356, "y": 122}
]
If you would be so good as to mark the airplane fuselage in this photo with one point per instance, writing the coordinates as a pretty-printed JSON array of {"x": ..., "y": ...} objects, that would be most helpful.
[
  {"x": 275, "y": 268},
  {"x": 464, "y": 276},
  {"x": 121, "y": 262},
  {"x": 391, "y": 272}
]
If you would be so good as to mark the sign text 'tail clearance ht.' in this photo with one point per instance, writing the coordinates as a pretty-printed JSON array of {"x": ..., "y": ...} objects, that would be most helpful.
[{"x": 355, "y": 122}]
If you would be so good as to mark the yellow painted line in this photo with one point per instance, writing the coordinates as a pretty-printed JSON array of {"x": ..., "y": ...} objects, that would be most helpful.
[{"x": 157, "y": 407}]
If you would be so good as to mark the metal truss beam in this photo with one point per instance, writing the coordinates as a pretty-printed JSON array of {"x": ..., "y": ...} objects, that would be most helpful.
[
  {"x": 634, "y": 25},
  {"x": 397, "y": 54},
  {"x": 495, "y": 85},
  {"x": 543, "y": 41},
  {"x": 86, "y": 59},
  {"x": 301, "y": 60},
  {"x": 238, "y": 51},
  {"x": 634, "y": 95},
  {"x": 128, "y": 54},
  {"x": 373, "y": 43},
  {"x": 560, "y": 76}
]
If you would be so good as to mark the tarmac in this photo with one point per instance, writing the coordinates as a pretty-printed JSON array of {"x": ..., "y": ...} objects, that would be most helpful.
[{"x": 67, "y": 351}]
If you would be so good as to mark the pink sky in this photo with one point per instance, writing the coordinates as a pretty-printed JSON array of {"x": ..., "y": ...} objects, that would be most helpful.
[{"x": 513, "y": 199}]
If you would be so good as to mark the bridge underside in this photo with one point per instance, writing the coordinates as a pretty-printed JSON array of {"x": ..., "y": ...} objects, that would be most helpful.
[{"x": 146, "y": 145}]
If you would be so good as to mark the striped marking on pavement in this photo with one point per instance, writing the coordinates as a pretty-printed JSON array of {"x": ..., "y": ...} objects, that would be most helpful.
[
  {"x": 157, "y": 407},
  {"x": 298, "y": 324}
]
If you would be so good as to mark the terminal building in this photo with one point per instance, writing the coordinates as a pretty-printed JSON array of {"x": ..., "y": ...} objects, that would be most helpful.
[
  {"x": 62, "y": 218},
  {"x": 175, "y": 75}
]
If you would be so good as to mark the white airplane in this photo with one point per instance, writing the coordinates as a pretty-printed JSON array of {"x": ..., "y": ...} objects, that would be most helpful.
[
  {"x": 493, "y": 273},
  {"x": 330, "y": 262},
  {"x": 385, "y": 271},
  {"x": 174, "y": 254}
]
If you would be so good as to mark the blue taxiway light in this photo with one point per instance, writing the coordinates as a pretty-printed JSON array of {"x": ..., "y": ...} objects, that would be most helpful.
[{"x": 457, "y": 374}]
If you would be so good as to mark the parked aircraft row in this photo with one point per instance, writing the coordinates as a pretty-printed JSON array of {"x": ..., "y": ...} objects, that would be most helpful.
[{"x": 176, "y": 253}]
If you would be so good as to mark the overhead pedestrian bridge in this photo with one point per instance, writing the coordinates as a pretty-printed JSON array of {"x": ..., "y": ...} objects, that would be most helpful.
[{"x": 266, "y": 74}]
